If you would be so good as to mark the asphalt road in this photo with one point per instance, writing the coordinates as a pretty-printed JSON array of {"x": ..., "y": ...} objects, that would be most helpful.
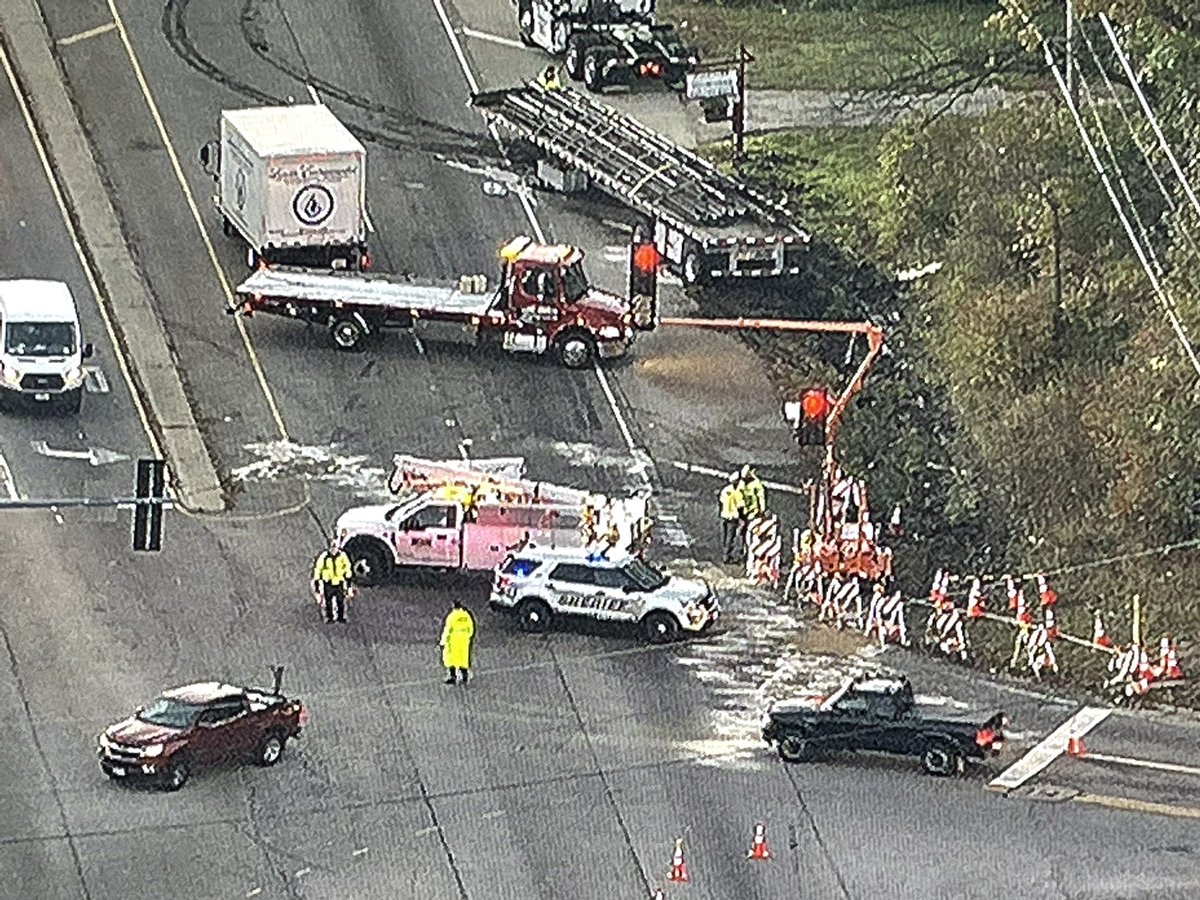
[{"x": 572, "y": 762}]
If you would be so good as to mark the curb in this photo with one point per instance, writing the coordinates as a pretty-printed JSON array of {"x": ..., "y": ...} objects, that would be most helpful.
[{"x": 141, "y": 337}]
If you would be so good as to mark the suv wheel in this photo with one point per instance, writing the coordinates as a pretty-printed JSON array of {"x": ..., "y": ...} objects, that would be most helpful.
[
  {"x": 534, "y": 615},
  {"x": 176, "y": 775},
  {"x": 270, "y": 749},
  {"x": 942, "y": 760},
  {"x": 576, "y": 350},
  {"x": 794, "y": 749},
  {"x": 660, "y": 627}
]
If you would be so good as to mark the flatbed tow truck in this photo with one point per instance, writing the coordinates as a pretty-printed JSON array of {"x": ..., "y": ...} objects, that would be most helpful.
[{"x": 544, "y": 303}]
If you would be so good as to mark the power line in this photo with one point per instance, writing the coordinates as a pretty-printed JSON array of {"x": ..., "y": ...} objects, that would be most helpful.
[
  {"x": 1168, "y": 196},
  {"x": 1160, "y": 291},
  {"x": 1153, "y": 120}
]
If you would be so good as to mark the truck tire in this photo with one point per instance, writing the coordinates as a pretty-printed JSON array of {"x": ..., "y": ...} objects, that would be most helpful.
[
  {"x": 370, "y": 561},
  {"x": 576, "y": 349},
  {"x": 942, "y": 760},
  {"x": 534, "y": 615},
  {"x": 176, "y": 774},
  {"x": 660, "y": 627},
  {"x": 270, "y": 748},
  {"x": 348, "y": 333},
  {"x": 795, "y": 748},
  {"x": 594, "y": 59}
]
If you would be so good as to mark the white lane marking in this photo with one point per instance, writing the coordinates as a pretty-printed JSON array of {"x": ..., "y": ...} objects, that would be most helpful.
[
  {"x": 456, "y": 45},
  {"x": 717, "y": 473},
  {"x": 312, "y": 92},
  {"x": 617, "y": 414},
  {"x": 493, "y": 38},
  {"x": 254, "y": 893},
  {"x": 367, "y": 220},
  {"x": 361, "y": 851},
  {"x": 6, "y": 479},
  {"x": 194, "y": 208},
  {"x": 61, "y": 203},
  {"x": 1141, "y": 763},
  {"x": 302, "y": 872},
  {"x": 1051, "y": 748},
  {"x": 84, "y": 35}
]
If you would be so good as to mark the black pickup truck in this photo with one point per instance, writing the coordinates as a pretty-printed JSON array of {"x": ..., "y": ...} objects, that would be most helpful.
[{"x": 879, "y": 714}]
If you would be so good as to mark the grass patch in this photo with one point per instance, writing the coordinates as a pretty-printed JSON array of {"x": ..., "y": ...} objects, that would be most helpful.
[
  {"x": 831, "y": 175},
  {"x": 911, "y": 48}
]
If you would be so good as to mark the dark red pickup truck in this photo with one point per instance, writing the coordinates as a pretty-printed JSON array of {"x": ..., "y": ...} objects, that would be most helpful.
[{"x": 203, "y": 724}]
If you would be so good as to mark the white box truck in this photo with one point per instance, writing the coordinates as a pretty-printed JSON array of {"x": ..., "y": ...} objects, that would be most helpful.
[{"x": 291, "y": 180}]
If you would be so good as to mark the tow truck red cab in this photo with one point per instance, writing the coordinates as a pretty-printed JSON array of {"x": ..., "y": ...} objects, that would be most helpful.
[{"x": 544, "y": 303}]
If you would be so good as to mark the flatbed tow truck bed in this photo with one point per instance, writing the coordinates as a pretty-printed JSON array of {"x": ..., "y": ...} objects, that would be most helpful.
[{"x": 380, "y": 292}]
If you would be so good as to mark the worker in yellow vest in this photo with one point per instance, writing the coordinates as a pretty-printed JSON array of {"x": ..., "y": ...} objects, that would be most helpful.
[
  {"x": 331, "y": 581},
  {"x": 733, "y": 519}
]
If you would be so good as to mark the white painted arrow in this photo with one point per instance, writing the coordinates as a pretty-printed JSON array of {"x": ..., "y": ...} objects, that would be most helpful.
[{"x": 94, "y": 456}]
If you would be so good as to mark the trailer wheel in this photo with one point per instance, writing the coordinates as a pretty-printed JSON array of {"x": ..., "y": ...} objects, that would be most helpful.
[
  {"x": 593, "y": 67},
  {"x": 348, "y": 332},
  {"x": 942, "y": 760},
  {"x": 794, "y": 749},
  {"x": 694, "y": 271},
  {"x": 525, "y": 22},
  {"x": 576, "y": 350},
  {"x": 577, "y": 47}
]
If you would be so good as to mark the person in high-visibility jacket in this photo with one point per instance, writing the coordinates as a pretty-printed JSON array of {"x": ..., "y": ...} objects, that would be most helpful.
[
  {"x": 733, "y": 518},
  {"x": 549, "y": 79},
  {"x": 458, "y": 640},
  {"x": 754, "y": 492},
  {"x": 331, "y": 578}
]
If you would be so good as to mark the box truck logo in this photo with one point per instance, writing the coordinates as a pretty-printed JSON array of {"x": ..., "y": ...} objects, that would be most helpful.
[
  {"x": 239, "y": 188},
  {"x": 313, "y": 204}
]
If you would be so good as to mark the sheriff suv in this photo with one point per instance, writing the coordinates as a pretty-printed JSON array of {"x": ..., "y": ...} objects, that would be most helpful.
[
  {"x": 541, "y": 584},
  {"x": 202, "y": 724}
]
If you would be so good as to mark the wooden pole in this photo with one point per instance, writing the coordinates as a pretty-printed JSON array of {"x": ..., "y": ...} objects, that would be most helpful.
[
  {"x": 739, "y": 108},
  {"x": 1137, "y": 621}
]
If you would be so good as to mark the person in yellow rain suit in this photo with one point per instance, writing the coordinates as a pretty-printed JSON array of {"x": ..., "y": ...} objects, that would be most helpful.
[
  {"x": 458, "y": 640},
  {"x": 548, "y": 78}
]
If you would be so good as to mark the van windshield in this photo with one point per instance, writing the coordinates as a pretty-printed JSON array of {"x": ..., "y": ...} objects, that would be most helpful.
[{"x": 40, "y": 339}]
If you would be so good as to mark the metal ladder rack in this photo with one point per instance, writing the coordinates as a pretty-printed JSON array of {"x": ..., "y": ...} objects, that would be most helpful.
[{"x": 626, "y": 158}]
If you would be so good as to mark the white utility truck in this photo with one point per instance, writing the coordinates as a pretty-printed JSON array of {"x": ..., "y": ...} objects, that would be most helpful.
[
  {"x": 470, "y": 515},
  {"x": 291, "y": 180}
]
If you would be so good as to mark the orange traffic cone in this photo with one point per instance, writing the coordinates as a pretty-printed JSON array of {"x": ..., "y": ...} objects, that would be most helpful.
[
  {"x": 975, "y": 602},
  {"x": 679, "y": 871},
  {"x": 1075, "y": 746},
  {"x": 758, "y": 847}
]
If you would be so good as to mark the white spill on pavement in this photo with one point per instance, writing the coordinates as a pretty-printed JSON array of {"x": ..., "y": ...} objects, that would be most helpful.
[
  {"x": 756, "y": 660},
  {"x": 1051, "y": 748},
  {"x": 330, "y": 464}
]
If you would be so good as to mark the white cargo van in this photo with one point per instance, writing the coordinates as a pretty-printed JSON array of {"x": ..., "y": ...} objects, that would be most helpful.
[
  {"x": 291, "y": 180},
  {"x": 41, "y": 348}
]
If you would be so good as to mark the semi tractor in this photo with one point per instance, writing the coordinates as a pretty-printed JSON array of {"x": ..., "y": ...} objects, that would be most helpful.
[
  {"x": 291, "y": 181},
  {"x": 607, "y": 42}
]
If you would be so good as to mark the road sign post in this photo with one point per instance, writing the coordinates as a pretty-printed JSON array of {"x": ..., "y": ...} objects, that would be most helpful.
[{"x": 720, "y": 86}]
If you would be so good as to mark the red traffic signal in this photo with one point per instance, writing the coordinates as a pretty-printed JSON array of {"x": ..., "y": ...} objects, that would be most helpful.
[
  {"x": 815, "y": 405},
  {"x": 646, "y": 258}
]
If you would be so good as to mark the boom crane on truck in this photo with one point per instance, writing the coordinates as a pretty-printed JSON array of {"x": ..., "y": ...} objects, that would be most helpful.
[{"x": 844, "y": 540}]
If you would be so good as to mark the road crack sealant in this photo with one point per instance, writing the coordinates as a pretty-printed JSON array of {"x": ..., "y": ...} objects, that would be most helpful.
[{"x": 15, "y": 670}]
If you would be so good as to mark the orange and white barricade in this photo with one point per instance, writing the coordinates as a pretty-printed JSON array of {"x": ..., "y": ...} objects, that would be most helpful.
[
  {"x": 945, "y": 631},
  {"x": 976, "y": 605},
  {"x": 1040, "y": 652},
  {"x": 764, "y": 547},
  {"x": 886, "y": 618}
]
